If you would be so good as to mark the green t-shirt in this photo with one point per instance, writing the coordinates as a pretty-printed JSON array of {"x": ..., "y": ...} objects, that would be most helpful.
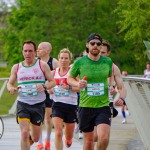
[{"x": 97, "y": 72}]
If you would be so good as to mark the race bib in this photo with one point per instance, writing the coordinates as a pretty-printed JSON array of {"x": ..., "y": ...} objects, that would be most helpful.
[
  {"x": 95, "y": 89},
  {"x": 59, "y": 91},
  {"x": 28, "y": 90}
]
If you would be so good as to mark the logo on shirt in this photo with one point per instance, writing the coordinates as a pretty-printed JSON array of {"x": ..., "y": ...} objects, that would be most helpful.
[
  {"x": 38, "y": 121},
  {"x": 35, "y": 70}
]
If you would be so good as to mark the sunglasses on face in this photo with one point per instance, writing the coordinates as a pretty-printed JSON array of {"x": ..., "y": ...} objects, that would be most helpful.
[{"x": 97, "y": 43}]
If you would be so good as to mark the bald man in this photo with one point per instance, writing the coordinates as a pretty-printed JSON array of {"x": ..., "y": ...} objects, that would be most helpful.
[{"x": 43, "y": 52}]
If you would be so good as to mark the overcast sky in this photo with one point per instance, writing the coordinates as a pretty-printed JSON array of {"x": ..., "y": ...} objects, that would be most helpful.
[{"x": 9, "y": 2}]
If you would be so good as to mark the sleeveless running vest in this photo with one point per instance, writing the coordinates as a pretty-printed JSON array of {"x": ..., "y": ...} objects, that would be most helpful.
[
  {"x": 50, "y": 63},
  {"x": 60, "y": 94},
  {"x": 27, "y": 78}
]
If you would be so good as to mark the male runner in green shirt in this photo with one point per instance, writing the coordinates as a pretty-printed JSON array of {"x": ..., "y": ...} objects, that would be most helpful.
[{"x": 94, "y": 107}]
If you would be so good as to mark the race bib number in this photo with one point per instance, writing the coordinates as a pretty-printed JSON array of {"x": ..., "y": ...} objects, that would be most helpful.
[
  {"x": 59, "y": 91},
  {"x": 28, "y": 90},
  {"x": 95, "y": 89}
]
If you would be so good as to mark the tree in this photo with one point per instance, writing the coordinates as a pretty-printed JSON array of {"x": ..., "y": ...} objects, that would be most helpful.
[
  {"x": 134, "y": 22},
  {"x": 67, "y": 23}
]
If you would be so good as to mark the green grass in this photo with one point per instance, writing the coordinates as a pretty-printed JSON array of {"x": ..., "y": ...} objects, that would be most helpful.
[
  {"x": 7, "y": 100},
  {"x": 4, "y": 72}
]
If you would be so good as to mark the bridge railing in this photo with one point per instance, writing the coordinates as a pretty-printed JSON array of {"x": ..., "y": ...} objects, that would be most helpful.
[
  {"x": 138, "y": 101},
  {"x": 4, "y": 83}
]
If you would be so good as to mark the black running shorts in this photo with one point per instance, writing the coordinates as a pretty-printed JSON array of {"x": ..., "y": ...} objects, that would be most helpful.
[
  {"x": 90, "y": 117},
  {"x": 33, "y": 113}
]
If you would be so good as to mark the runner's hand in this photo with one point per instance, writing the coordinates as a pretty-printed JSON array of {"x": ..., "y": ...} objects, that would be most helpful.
[
  {"x": 82, "y": 83},
  {"x": 13, "y": 90},
  {"x": 40, "y": 87},
  {"x": 118, "y": 102}
]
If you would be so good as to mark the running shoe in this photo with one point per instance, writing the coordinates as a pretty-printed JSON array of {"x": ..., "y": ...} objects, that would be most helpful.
[
  {"x": 124, "y": 121},
  {"x": 47, "y": 145},
  {"x": 68, "y": 143},
  {"x": 80, "y": 135},
  {"x": 40, "y": 147},
  {"x": 76, "y": 130}
]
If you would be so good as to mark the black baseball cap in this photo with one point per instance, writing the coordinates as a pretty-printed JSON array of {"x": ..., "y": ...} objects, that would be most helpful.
[{"x": 94, "y": 36}]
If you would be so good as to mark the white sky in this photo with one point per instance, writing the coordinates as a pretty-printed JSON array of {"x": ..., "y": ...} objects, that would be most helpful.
[{"x": 9, "y": 2}]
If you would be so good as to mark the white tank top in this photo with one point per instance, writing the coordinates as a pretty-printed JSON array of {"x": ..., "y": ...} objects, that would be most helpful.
[
  {"x": 27, "y": 78},
  {"x": 147, "y": 74},
  {"x": 60, "y": 94}
]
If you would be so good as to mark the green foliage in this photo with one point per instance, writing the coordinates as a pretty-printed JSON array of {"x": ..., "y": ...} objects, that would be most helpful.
[
  {"x": 134, "y": 22},
  {"x": 67, "y": 23},
  {"x": 134, "y": 18},
  {"x": 4, "y": 73}
]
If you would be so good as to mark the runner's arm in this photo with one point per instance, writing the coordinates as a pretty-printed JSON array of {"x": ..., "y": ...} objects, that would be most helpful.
[
  {"x": 120, "y": 85},
  {"x": 12, "y": 79},
  {"x": 50, "y": 83}
]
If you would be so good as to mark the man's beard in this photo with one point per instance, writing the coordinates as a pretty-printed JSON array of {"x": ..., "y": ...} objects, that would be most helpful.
[{"x": 95, "y": 54}]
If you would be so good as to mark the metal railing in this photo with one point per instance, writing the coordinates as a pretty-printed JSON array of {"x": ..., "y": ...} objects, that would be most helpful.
[
  {"x": 5, "y": 80},
  {"x": 4, "y": 83},
  {"x": 1, "y": 127},
  {"x": 138, "y": 101}
]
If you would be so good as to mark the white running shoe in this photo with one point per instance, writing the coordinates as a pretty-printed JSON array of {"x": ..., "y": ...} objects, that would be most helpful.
[
  {"x": 124, "y": 121},
  {"x": 76, "y": 130},
  {"x": 80, "y": 135}
]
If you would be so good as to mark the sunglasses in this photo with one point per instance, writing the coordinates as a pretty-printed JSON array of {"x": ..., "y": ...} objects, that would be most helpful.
[{"x": 97, "y": 43}]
